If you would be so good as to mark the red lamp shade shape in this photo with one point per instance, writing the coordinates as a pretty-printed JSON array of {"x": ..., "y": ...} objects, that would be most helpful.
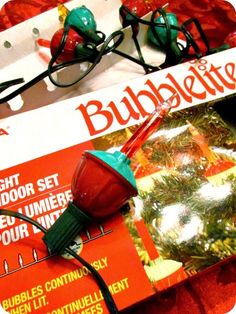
[
  {"x": 101, "y": 184},
  {"x": 98, "y": 187},
  {"x": 68, "y": 52}
]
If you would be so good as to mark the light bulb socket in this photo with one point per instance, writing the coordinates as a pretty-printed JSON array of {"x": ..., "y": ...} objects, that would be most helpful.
[
  {"x": 82, "y": 51},
  {"x": 62, "y": 233},
  {"x": 82, "y": 20}
]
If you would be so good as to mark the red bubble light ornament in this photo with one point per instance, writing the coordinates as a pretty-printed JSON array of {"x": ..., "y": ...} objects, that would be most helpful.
[
  {"x": 79, "y": 27},
  {"x": 68, "y": 52},
  {"x": 164, "y": 31},
  {"x": 103, "y": 182},
  {"x": 79, "y": 41}
]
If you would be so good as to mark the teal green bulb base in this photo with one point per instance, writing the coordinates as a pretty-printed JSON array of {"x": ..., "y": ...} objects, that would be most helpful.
[
  {"x": 162, "y": 31},
  {"x": 81, "y": 18},
  {"x": 119, "y": 162}
]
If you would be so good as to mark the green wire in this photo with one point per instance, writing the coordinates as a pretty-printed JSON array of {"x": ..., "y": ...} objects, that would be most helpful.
[{"x": 100, "y": 281}]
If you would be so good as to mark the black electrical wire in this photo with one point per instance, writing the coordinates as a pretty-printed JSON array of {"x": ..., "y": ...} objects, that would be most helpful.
[
  {"x": 170, "y": 58},
  {"x": 6, "y": 212},
  {"x": 38, "y": 78},
  {"x": 166, "y": 47},
  {"x": 167, "y": 27},
  {"x": 141, "y": 58},
  {"x": 105, "y": 290},
  {"x": 100, "y": 281},
  {"x": 134, "y": 27},
  {"x": 7, "y": 84},
  {"x": 94, "y": 55},
  {"x": 97, "y": 55},
  {"x": 200, "y": 30}
]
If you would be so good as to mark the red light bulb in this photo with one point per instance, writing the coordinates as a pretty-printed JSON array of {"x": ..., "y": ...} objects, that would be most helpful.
[
  {"x": 68, "y": 52},
  {"x": 102, "y": 183},
  {"x": 137, "y": 7},
  {"x": 98, "y": 188}
]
